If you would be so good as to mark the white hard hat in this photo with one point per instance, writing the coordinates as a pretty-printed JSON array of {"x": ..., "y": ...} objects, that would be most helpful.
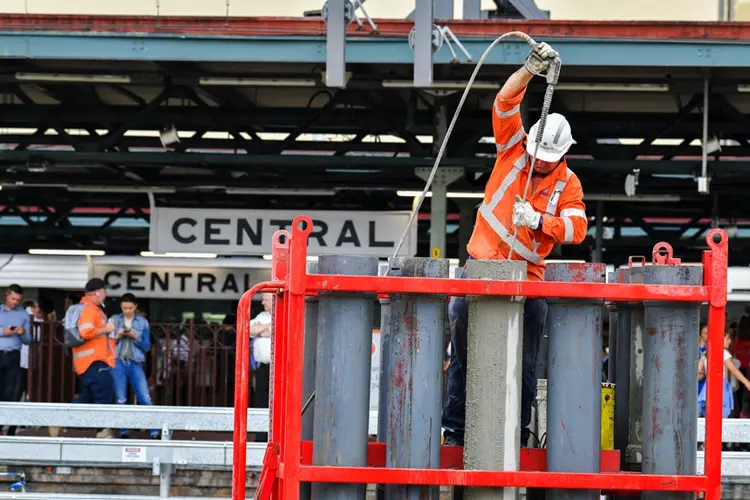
[{"x": 556, "y": 139}]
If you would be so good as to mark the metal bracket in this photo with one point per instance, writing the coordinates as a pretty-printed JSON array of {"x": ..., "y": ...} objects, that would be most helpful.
[
  {"x": 350, "y": 14},
  {"x": 662, "y": 255},
  {"x": 439, "y": 36}
]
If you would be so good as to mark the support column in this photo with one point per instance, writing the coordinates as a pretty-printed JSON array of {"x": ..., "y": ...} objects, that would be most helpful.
[
  {"x": 308, "y": 372},
  {"x": 336, "y": 43},
  {"x": 385, "y": 366},
  {"x": 622, "y": 371},
  {"x": 417, "y": 328},
  {"x": 670, "y": 402},
  {"x": 467, "y": 211},
  {"x": 612, "y": 344},
  {"x": 634, "y": 452},
  {"x": 599, "y": 232},
  {"x": 493, "y": 379},
  {"x": 343, "y": 388},
  {"x": 423, "y": 48},
  {"x": 472, "y": 10},
  {"x": 574, "y": 409},
  {"x": 439, "y": 205}
]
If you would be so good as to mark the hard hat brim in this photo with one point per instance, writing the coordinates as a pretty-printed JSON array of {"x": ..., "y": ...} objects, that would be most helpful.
[{"x": 543, "y": 155}]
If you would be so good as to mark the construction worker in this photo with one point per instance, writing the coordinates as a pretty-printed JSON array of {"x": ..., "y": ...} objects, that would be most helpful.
[
  {"x": 552, "y": 214},
  {"x": 94, "y": 359}
]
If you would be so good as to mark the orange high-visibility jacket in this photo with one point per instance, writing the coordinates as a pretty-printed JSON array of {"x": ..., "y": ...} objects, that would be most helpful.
[
  {"x": 96, "y": 347},
  {"x": 558, "y": 197}
]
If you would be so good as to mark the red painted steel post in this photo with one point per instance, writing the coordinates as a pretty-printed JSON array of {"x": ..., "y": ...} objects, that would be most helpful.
[
  {"x": 717, "y": 270},
  {"x": 293, "y": 345}
]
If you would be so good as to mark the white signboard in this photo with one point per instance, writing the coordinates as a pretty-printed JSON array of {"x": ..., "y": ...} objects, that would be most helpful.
[
  {"x": 179, "y": 282},
  {"x": 375, "y": 371},
  {"x": 250, "y": 232},
  {"x": 133, "y": 454}
]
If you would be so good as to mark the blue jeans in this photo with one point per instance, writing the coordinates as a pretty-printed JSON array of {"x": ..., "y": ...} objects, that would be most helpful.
[
  {"x": 96, "y": 385},
  {"x": 454, "y": 410},
  {"x": 130, "y": 371}
]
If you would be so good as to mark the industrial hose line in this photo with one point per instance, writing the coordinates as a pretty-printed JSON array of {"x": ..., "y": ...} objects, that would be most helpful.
[{"x": 553, "y": 72}]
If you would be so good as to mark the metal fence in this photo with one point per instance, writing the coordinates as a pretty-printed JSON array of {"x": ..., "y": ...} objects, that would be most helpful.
[{"x": 188, "y": 365}]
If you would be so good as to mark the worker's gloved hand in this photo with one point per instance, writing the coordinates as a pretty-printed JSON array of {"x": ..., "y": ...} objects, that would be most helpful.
[
  {"x": 537, "y": 62},
  {"x": 524, "y": 215}
]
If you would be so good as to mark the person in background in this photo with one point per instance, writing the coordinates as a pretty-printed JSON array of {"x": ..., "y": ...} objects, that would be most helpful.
[
  {"x": 727, "y": 392},
  {"x": 35, "y": 312},
  {"x": 16, "y": 332},
  {"x": 70, "y": 299},
  {"x": 94, "y": 359},
  {"x": 261, "y": 328},
  {"x": 133, "y": 337}
]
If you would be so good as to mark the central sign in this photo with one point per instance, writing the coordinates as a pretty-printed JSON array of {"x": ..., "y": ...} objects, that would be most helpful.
[{"x": 250, "y": 232}]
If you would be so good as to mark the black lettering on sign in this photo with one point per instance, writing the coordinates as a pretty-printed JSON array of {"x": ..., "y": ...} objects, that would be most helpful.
[
  {"x": 133, "y": 280},
  {"x": 374, "y": 243},
  {"x": 348, "y": 235},
  {"x": 206, "y": 280},
  {"x": 213, "y": 229},
  {"x": 112, "y": 274},
  {"x": 247, "y": 282},
  {"x": 185, "y": 221},
  {"x": 182, "y": 277},
  {"x": 320, "y": 229},
  {"x": 245, "y": 229},
  {"x": 162, "y": 283},
  {"x": 230, "y": 284}
]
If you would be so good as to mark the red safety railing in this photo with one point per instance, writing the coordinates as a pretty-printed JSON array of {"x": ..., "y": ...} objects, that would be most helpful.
[{"x": 287, "y": 460}]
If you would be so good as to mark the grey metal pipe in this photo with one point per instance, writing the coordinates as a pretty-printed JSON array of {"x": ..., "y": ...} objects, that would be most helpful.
[
  {"x": 622, "y": 369},
  {"x": 634, "y": 451},
  {"x": 670, "y": 403},
  {"x": 385, "y": 365},
  {"x": 574, "y": 411},
  {"x": 308, "y": 371},
  {"x": 612, "y": 344},
  {"x": 342, "y": 397},
  {"x": 493, "y": 378},
  {"x": 417, "y": 328}
]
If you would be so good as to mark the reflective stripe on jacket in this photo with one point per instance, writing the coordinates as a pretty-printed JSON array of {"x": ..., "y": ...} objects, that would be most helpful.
[
  {"x": 96, "y": 347},
  {"x": 558, "y": 198}
]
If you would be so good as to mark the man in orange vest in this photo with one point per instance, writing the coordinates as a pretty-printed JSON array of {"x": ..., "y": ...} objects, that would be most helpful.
[
  {"x": 552, "y": 214},
  {"x": 94, "y": 359}
]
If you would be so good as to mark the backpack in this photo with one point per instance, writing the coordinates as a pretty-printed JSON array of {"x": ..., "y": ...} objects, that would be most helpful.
[{"x": 72, "y": 333}]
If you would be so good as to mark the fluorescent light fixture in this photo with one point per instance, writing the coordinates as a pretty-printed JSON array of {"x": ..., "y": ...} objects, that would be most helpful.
[
  {"x": 282, "y": 192},
  {"x": 458, "y": 85},
  {"x": 638, "y": 198},
  {"x": 450, "y": 194},
  {"x": 611, "y": 87},
  {"x": 43, "y": 251},
  {"x": 257, "y": 82},
  {"x": 186, "y": 255},
  {"x": 743, "y": 88},
  {"x": 121, "y": 189},
  {"x": 69, "y": 77},
  {"x": 310, "y": 258}
]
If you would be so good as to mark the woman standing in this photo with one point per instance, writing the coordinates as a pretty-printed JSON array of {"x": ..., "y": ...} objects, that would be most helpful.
[{"x": 133, "y": 336}]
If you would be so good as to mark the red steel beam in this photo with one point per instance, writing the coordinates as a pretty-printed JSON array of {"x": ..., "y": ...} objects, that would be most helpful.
[{"x": 273, "y": 26}]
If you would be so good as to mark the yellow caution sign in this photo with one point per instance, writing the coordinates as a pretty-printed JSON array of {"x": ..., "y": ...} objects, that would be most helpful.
[
  {"x": 435, "y": 253},
  {"x": 608, "y": 416}
]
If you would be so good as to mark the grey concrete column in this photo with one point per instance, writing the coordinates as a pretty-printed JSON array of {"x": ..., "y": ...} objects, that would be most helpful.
[
  {"x": 493, "y": 379},
  {"x": 342, "y": 400},
  {"x": 670, "y": 398},
  {"x": 385, "y": 364},
  {"x": 417, "y": 328},
  {"x": 308, "y": 372},
  {"x": 574, "y": 393},
  {"x": 622, "y": 371},
  {"x": 634, "y": 452}
]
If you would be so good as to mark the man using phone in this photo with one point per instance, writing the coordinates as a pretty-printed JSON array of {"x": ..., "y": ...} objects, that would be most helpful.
[{"x": 15, "y": 326}]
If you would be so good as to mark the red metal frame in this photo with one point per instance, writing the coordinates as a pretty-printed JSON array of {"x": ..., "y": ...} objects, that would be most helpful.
[{"x": 287, "y": 459}]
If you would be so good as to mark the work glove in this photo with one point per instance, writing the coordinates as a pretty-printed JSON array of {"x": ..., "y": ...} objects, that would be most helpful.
[
  {"x": 537, "y": 62},
  {"x": 524, "y": 215}
]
